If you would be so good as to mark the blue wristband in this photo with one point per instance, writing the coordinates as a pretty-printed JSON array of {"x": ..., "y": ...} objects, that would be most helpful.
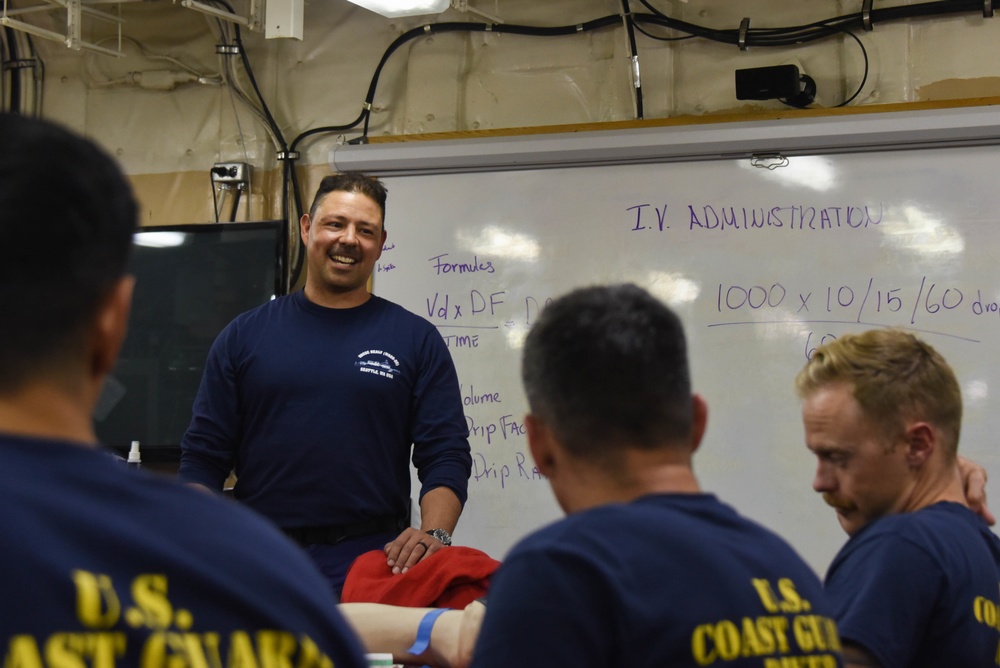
[{"x": 423, "y": 640}]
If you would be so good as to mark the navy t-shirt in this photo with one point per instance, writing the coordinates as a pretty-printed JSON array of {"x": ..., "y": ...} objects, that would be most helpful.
[
  {"x": 317, "y": 409},
  {"x": 921, "y": 589},
  {"x": 667, "y": 580},
  {"x": 105, "y": 566}
]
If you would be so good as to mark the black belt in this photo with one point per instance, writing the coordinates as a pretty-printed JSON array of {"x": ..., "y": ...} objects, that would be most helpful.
[{"x": 332, "y": 535}]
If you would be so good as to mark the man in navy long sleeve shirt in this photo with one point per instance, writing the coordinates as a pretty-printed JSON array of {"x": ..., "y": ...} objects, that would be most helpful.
[{"x": 316, "y": 398}]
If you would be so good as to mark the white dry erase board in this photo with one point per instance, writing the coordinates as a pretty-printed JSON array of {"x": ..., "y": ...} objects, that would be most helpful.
[{"x": 763, "y": 262}]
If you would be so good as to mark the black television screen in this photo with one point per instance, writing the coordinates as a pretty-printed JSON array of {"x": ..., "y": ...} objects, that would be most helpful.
[{"x": 191, "y": 280}]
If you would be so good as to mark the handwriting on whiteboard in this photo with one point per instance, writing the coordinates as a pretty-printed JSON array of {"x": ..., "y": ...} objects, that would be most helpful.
[
  {"x": 723, "y": 218},
  {"x": 518, "y": 467}
]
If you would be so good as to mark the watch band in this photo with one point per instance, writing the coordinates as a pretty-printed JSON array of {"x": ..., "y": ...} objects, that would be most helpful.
[{"x": 441, "y": 535}]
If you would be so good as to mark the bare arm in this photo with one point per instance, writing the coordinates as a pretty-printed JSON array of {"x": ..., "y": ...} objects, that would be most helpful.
[{"x": 389, "y": 628}]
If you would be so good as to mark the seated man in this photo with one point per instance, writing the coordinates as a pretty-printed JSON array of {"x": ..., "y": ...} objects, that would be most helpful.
[
  {"x": 646, "y": 570},
  {"x": 103, "y": 565},
  {"x": 916, "y": 584}
]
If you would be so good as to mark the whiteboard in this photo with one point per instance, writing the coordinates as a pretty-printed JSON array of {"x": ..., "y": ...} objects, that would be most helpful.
[{"x": 761, "y": 264}]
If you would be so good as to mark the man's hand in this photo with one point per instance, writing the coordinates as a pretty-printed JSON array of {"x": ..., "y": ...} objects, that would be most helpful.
[
  {"x": 974, "y": 483},
  {"x": 409, "y": 548}
]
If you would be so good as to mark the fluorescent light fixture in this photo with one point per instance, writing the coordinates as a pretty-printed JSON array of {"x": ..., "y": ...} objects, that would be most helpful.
[{"x": 395, "y": 8}]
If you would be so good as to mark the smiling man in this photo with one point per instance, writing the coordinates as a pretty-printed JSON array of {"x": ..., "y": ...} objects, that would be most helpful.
[
  {"x": 316, "y": 398},
  {"x": 916, "y": 584}
]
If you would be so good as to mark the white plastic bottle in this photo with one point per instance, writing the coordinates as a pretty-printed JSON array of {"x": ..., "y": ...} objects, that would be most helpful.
[{"x": 134, "y": 458}]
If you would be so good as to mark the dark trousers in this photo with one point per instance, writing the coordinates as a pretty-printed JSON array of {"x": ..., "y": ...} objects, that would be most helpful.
[{"x": 333, "y": 561}]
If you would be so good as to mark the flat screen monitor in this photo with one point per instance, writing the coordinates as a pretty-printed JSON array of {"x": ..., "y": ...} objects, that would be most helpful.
[{"x": 191, "y": 280}]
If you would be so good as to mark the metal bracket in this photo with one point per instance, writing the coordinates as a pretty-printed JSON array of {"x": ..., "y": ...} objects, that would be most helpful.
[
  {"x": 866, "y": 14},
  {"x": 254, "y": 22},
  {"x": 744, "y": 29},
  {"x": 231, "y": 173},
  {"x": 463, "y": 6},
  {"x": 75, "y": 10}
]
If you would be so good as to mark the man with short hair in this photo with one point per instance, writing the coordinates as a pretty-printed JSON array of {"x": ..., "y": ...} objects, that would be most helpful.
[
  {"x": 916, "y": 584},
  {"x": 103, "y": 565},
  {"x": 646, "y": 570},
  {"x": 316, "y": 398}
]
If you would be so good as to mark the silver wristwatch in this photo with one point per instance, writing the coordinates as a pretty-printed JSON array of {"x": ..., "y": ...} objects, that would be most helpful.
[{"x": 441, "y": 535}]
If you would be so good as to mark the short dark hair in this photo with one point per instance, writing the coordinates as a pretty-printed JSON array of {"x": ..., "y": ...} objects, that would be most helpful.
[
  {"x": 607, "y": 368},
  {"x": 352, "y": 182},
  {"x": 67, "y": 217}
]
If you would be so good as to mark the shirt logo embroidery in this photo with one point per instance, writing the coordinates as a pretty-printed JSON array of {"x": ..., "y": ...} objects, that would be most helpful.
[{"x": 378, "y": 362}]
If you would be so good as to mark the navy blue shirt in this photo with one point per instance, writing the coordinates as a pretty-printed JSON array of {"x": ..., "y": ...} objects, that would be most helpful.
[
  {"x": 667, "y": 580},
  {"x": 921, "y": 589},
  {"x": 317, "y": 409},
  {"x": 106, "y": 566}
]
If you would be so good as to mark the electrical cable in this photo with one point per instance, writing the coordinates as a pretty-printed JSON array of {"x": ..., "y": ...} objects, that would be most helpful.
[
  {"x": 236, "y": 204},
  {"x": 4, "y": 36},
  {"x": 256, "y": 89},
  {"x": 215, "y": 198},
  {"x": 763, "y": 37},
  {"x": 793, "y": 35},
  {"x": 633, "y": 57},
  {"x": 14, "y": 85},
  {"x": 660, "y": 38},
  {"x": 37, "y": 75},
  {"x": 421, "y": 31},
  {"x": 864, "y": 78}
]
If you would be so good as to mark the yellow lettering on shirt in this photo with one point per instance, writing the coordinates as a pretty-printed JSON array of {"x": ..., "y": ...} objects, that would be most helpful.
[
  {"x": 987, "y": 612},
  {"x": 97, "y": 605},
  {"x": 165, "y": 633},
  {"x": 814, "y": 641},
  {"x": 22, "y": 652},
  {"x": 80, "y": 650},
  {"x": 152, "y": 609}
]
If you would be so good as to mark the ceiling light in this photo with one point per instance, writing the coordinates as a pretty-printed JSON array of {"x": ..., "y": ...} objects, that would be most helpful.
[{"x": 395, "y": 8}]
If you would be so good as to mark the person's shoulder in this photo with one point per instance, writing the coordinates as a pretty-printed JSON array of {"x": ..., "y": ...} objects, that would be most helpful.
[
  {"x": 938, "y": 519},
  {"x": 405, "y": 322},
  {"x": 941, "y": 533},
  {"x": 679, "y": 517},
  {"x": 257, "y": 320},
  {"x": 258, "y": 313},
  {"x": 391, "y": 308}
]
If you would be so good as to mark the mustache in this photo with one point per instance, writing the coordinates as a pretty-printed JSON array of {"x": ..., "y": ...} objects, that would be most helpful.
[{"x": 836, "y": 503}]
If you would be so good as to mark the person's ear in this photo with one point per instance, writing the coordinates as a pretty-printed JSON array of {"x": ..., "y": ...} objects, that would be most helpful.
[
  {"x": 541, "y": 443},
  {"x": 110, "y": 327},
  {"x": 920, "y": 440},
  {"x": 699, "y": 420},
  {"x": 304, "y": 224}
]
